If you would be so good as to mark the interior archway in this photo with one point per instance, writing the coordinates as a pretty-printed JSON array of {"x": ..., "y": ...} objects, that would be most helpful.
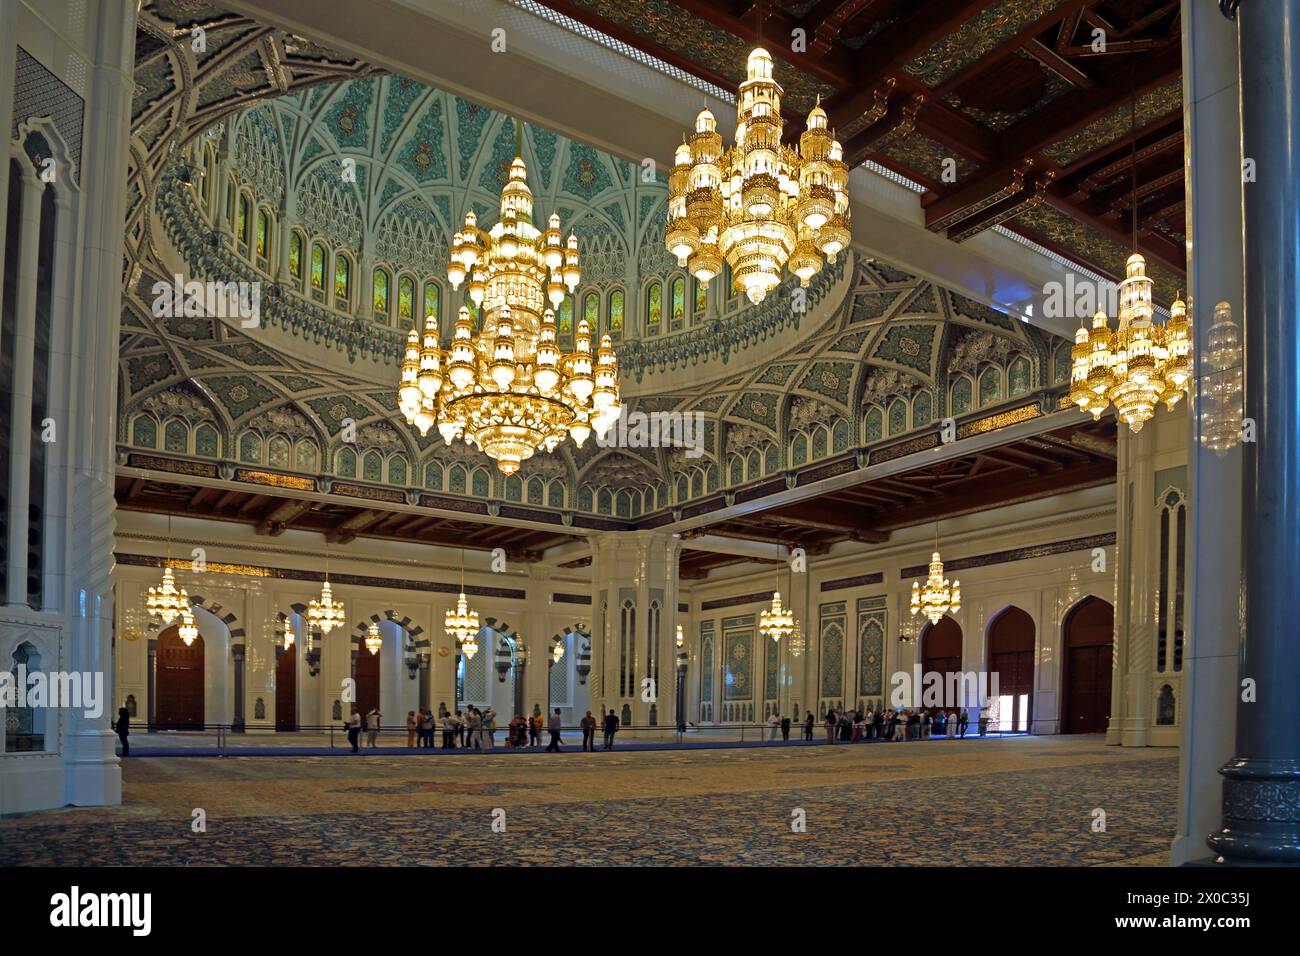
[
  {"x": 1011, "y": 658},
  {"x": 1086, "y": 667},
  {"x": 941, "y": 647},
  {"x": 286, "y": 688}
]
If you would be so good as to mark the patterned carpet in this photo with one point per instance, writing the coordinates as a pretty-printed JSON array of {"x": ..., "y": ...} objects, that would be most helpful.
[{"x": 1025, "y": 801}]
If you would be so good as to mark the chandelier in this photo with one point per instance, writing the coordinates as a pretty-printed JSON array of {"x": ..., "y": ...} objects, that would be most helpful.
[
  {"x": 374, "y": 641},
  {"x": 1220, "y": 387},
  {"x": 760, "y": 205},
  {"x": 776, "y": 622},
  {"x": 462, "y": 621},
  {"x": 937, "y": 598},
  {"x": 285, "y": 630},
  {"x": 557, "y": 652},
  {"x": 797, "y": 642},
  {"x": 325, "y": 614},
  {"x": 187, "y": 630},
  {"x": 165, "y": 601},
  {"x": 509, "y": 390},
  {"x": 680, "y": 640}
]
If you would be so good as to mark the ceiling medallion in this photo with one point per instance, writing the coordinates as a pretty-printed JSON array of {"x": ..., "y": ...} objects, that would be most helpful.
[
  {"x": 937, "y": 598},
  {"x": 509, "y": 390},
  {"x": 759, "y": 205}
]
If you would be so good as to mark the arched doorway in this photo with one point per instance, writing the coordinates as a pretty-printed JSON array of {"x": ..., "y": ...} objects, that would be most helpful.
[
  {"x": 179, "y": 701},
  {"x": 286, "y": 688},
  {"x": 1011, "y": 657},
  {"x": 941, "y": 647},
  {"x": 367, "y": 676},
  {"x": 1085, "y": 680}
]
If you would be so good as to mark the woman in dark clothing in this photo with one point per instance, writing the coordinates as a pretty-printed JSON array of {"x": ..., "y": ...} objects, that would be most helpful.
[
  {"x": 808, "y": 726},
  {"x": 122, "y": 727}
]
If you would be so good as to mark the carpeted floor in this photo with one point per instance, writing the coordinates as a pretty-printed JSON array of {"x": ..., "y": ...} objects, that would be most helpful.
[{"x": 1019, "y": 801}]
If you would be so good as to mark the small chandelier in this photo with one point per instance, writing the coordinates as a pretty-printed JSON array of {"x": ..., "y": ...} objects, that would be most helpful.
[
  {"x": 509, "y": 390},
  {"x": 797, "y": 642},
  {"x": 557, "y": 652},
  {"x": 759, "y": 205},
  {"x": 1220, "y": 387},
  {"x": 462, "y": 621},
  {"x": 776, "y": 622},
  {"x": 374, "y": 641},
  {"x": 286, "y": 633},
  {"x": 165, "y": 601},
  {"x": 937, "y": 598},
  {"x": 187, "y": 630},
  {"x": 325, "y": 614},
  {"x": 1140, "y": 363}
]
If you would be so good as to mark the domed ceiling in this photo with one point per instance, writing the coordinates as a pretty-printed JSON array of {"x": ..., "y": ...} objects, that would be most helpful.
[{"x": 307, "y": 400}]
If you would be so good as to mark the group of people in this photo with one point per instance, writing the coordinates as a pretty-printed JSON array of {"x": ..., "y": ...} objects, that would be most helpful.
[
  {"x": 850, "y": 726},
  {"x": 476, "y": 729}
]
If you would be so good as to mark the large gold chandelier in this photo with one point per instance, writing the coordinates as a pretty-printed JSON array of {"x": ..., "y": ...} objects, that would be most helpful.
[
  {"x": 760, "y": 205},
  {"x": 938, "y": 597},
  {"x": 1137, "y": 365},
  {"x": 509, "y": 390},
  {"x": 165, "y": 602},
  {"x": 777, "y": 621}
]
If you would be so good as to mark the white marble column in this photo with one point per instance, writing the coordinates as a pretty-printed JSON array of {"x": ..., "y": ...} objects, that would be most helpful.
[
  {"x": 20, "y": 408},
  {"x": 1135, "y": 601},
  {"x": 8, "y": 60},
  {"x": 1213, "y": 153}
]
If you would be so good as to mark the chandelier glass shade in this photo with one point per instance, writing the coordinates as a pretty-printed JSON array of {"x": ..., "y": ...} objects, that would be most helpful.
[
  {"x": 187, "y": 630},
  {"x": 509, "y": 390},
  {"x": 374, "y": 640},
  {"x": 1220, "y": 385},
  {"x": 1137, "y": 365},
  {"x": 166, "y": 602},
  {"x": 938, "y": 597},
  {"x": 777, "y": 621},
  {"x": 760, "y": 205},
  {"x": 325, "y": 613}
]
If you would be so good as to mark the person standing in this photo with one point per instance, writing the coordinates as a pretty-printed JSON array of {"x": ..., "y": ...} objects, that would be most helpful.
[
  {"x": 474, "y": 728},
  {"x": 554, "y": 727},
  {"x": 354, "y": 729},
  {"x": 611, "y": 728},
  {"x": 808, "y": 726},
  {"x": 122, "y": 727},
  {"x": 785, "y": 728},
  {"x": 426, "y": 729},
  {"x": 963, "y": 721},
  {"x": 372, "y": 727},
  {"x": 588, "y": 725},
  {"x": 489, "y": 728},
  {"x": 773, "y": 723},
  {"x": 831, "y": 724},
  {"x": 535, "y": 728},
  {"x": 412, "y": 725}
]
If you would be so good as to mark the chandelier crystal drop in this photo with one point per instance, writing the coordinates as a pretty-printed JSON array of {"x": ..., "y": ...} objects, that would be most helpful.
[
  {"x": 325, "y": 613},
  {"x": 937, "y": 598},
  {"x": 777, "y": 621},
  {"x": 759, "y": 204},
  {"x": 1220, "y": 386},
  {"x": 374, "y": 640},
  {"x": 462, "y": 621},
  {"x": 1137, "y": 365},
  {"x": 509, "y": 390},
  {"x": 187, "y": 630},
  {"x": 165, "y": 602}
]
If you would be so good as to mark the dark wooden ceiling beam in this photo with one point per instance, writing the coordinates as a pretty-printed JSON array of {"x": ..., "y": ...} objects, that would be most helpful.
[
  {"x": 347, "y": 529},
  {"x": 822, "y": 517},
  {"x": 283, "y": 515}
]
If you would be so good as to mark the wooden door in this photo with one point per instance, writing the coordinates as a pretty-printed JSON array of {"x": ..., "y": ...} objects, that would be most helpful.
[
  {"x": 367, "y": 681},
  {"x": 179, "y": 703},
  {"x": 286, "y": 689},
  {"x": 1086, "y": 683},
  {"x": 1011, "y": 657},
  {"x": 941, "y": 647}
]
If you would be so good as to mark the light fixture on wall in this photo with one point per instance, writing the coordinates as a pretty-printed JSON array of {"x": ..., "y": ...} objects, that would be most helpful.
[
  {"x": 166, "y": 601},
  {"x": 938, "y": 597},
  {"x": 1141, "y": 363},
  {"x": 187, "y": 630},
  {"x": 509, "y": 390},
  {"x": 325, "y": 613},
  {"x": 760, "y": 205},
  {"x": 374, "y": 640},
  {"x": 462, "y": 620}
]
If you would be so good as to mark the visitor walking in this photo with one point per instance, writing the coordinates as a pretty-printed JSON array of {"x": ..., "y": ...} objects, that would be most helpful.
[
  {"x": 611, "y": 728},
  {"x": 372, "y": 727},
  {"x": 353, "y": 726},
  {"x": 588, "y": 725},
  {"x": 554, "y": 727},
  {"x": 122, "y": 726}
]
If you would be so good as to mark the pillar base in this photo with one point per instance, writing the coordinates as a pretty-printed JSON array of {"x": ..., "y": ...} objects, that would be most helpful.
[{"x": 1261, "y": 813}]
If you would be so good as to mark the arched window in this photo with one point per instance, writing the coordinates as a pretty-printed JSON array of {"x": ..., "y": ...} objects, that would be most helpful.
[
  {"x": 176, "y": 437},
  {"x": 591, "y": 313},
  {"x": 701, "y": 299},
  {"x": 737, "y": 470},
  {"x": 799, "y": 449},
  {"x": 372, "y": 467},
  {"x": 405, "y": 302},
  {"x": 381, "y": 295},
  {"x": 819, "y": 442},
  {"x": 604, "y": 502},
  {"x": 397, "y": 470},
  {"x": 318, "y": 266},
  {"x": 616, "y": 314},
  {"x": 565, "y": 320},
  {"x": 295, "y": 255},
  {"x": 480, "y": 484},
  {"x": 263, "y": 234},
  {"x": 206, "y": 441},
  {"x": 232, "y": 189},
  {"x": 654, "y": 308},
  {"x": 342, "y": 281},
  {"x": 840, "y": 436},
  {"x": 277, "y": 452},
  {"x": 585, "y": 498},
  {"x": 1018, "y": 374},
  {"x": 873, "y": 425},
  {"x": 990, "y": 386},
  {"x": 555, "y": 494},
  {"x": 346, "y": 466},
  {"x": 897, "y": 417},
  {"x": 514, "y": 488},
  {"x": 433, "y": 476},
  {"x": 535, "y": 491},
  {"x": 678, "y": 290},
  {"x": 432, "y": 295},
  {"x": 922, "y": 410},
  {"x": 24, "y": 726},
  {"x": 244, "y": 222},
  {"x": 250, "y": 448},
  {"x": 962, "y": 392},
  {"x": 754, "y": 465},
  {"x": 1171, "y": 583},
  {"x": 305, "y": 455}
]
